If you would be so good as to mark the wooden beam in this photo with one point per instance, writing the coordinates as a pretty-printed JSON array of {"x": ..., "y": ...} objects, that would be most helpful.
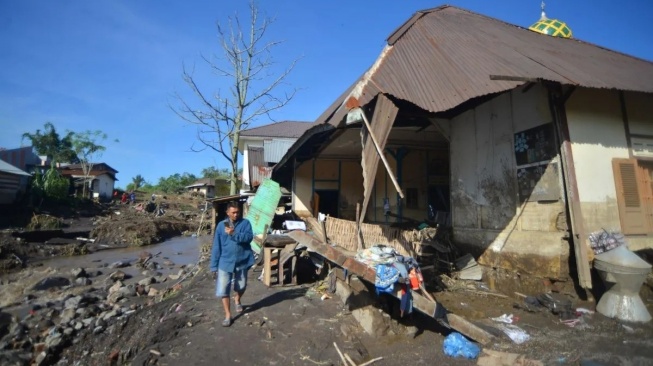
[{"x": 367, "y": 273}]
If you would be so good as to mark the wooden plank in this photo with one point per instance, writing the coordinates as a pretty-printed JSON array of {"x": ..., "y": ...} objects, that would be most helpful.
[{"x": 367, "y": 273}]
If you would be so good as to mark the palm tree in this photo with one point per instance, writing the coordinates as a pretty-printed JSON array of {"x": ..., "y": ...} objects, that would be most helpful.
[{"x": 138, "y": 181}]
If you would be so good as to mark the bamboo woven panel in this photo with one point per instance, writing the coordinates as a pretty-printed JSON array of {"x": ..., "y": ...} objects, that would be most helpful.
[{"x": 343, "y": 234}]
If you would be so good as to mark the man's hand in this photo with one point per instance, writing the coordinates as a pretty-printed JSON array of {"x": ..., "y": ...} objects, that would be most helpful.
[{"x": 229, "y": 230}]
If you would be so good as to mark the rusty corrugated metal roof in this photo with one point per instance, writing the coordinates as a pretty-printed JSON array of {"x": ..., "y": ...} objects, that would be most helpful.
[
  {"x": 278, "y": 129},
  {"x": 443, "y": 57}
]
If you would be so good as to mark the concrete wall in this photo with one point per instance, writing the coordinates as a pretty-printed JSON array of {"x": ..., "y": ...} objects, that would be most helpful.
[
  {"x": 489, "y": 219},
  {"x": 103, "y": 186},
  {"x": 598, "y": 135}
]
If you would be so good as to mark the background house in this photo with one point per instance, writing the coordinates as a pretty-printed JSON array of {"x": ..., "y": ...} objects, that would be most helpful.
[
  {"x": 204, "y": 186},
  {"x": 529, "y": 142},
  {"x": 262, "y": 147},
  {"x": 11, "y": 185},
  {"x": 102, "y": 179}
]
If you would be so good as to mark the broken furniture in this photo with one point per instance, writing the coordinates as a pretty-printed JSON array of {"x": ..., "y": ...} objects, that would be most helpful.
[
  {"x": 623, "y": 273},
  {"x": 278, "y": 258}
]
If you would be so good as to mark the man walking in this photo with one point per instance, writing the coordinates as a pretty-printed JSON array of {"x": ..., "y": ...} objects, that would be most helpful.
[{"x": 231, "y": 258}]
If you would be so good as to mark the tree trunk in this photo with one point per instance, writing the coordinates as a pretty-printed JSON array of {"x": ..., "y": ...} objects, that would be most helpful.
[{"x": 234, "y": 161}]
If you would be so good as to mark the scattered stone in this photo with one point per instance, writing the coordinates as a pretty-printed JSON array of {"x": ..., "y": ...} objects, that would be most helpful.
[
  {"x": 39, "y": 347},
  {"x": 173, "y": 277},
  {"x": 146, "y": 281},
  {"x": 116, "y": 286},
  {"x": 94, "y": 273},
  {"x": 168, "y": 263},
  {"x": 118, "y": 276},
  {"x": 51, "y": 282},
  {"x": 119, "y": 264},
  {"x": 79, "y": 326},
  {"x": 54, "y": 341},
  {"x": 114, "y": 297},
  {"x": 87, "y": 321},
  {"x": 83, "y": 281},
  {"x": 98, "y": 330},
  {"x": 68, "y": 331},
  {"x": 35, "y": 307},
  {"x": 76, "y": 302},
  {"x": 153, "y": 292},
  {"x": 41, "y": 358},
  {"x": 45, "y": 324},
  {"x": 78, "y": 272},
  {"x": 67, "y": 315},
  {"x": 141, "y": 290},
  {"x": 148, "y": 273}
]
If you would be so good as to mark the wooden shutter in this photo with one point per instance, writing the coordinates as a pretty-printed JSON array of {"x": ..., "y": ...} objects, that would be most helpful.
[{"x": 632, "y": 210}]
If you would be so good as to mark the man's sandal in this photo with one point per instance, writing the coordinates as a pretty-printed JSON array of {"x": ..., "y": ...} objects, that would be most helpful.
[
  {"x": 239, "y": 308},
  {"x": 226, "y": 322}
]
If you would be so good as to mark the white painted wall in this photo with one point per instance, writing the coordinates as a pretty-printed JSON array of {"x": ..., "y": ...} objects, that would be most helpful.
[
  {"x": 103, "y": 186},
  {"x": 597, "y": 134}
]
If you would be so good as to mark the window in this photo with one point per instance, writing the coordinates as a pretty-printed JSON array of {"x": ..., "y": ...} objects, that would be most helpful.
[{"x": 634, "y": 183}]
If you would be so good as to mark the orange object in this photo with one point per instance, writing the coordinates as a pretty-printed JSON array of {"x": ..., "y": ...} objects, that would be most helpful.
[{"x": 414, "y": 280}]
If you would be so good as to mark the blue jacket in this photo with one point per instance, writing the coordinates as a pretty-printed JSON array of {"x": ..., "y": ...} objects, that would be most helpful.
[{"x": 232, "y": 252}]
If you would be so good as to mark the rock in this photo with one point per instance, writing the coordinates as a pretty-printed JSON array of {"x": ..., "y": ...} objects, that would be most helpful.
[
  {"x": 98, "y": 330},
  {"x": 68, "y": 331},
  {"x": 54, "y": 341},
  {"x": 141, "y": 290},
  {"x": 128, "y": 290},
  {"x": 75, "y": 302},
  {"x": 51, "y": 282},
  {"x": 153, "y": 292},
  {"x": 15, "y": 358},
  {"x": 116, "y": 286},
  {"x": 119, "y": 264},
  {"x": 168, "y": 263},
  {"x": 39, "y": 347},
  {"x": 67, "y": 315},
  {"x": 111, "y": 314},
  {"x": 181, "y": 272},
  {"x": 78, "y": 326},
  {"x": 42, "y": 358},
  {"x": 173, "y": 277},
  {"x": 93, "y": 273},
  {"x": 35, "y": 307},
  {"x": 78, "y": 272},
  {"x": 114, "y": 297},
  {"x": 88, "y": 321},
  {"x": 146, "y": 281},
  {"x": 118, "y": 276},
  {"x": 45, "y": 324},
  {"x": 149, "y": 273},
  {"x": 83, "y": 281}
]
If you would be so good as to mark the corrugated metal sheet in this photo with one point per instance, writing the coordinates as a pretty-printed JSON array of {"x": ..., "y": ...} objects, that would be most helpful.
[
  {"x": 258, "y": 168},
  {"x": 261, "y": 210},
  {"x": 279, "y": 129},
  {"x": 276, "y": 148},
  {"x": 444, "y": 57}
]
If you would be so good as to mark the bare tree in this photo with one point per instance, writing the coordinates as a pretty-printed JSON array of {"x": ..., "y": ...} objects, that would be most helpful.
[
  {"x": 254, "y": 90},
  {"x": 87, "y": 147}
]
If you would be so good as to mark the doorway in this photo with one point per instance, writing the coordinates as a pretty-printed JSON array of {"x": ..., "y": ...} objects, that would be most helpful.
[{"x": 327, "y": 201}]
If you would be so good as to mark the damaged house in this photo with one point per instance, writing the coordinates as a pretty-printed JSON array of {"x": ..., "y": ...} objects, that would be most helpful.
[{"x": 521, "y": 142}]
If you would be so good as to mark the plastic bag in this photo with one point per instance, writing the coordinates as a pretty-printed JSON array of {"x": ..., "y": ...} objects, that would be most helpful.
[{"x": 456, "y": 345}]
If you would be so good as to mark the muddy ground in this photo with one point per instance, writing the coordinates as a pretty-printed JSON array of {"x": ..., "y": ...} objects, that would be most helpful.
[
  {"x": 151, "y": 306},
  {"x": 28, "y": 236}
]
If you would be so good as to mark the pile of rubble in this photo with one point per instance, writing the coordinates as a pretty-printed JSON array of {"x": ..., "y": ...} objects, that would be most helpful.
[{"x": 59, "y": 310}]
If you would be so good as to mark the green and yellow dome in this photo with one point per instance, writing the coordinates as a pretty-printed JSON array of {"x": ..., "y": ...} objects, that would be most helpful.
[{"x": 551, "y": 27}]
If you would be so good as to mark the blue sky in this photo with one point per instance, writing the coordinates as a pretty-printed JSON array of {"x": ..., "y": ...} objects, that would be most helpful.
[{"x": 114, "y": 65}]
